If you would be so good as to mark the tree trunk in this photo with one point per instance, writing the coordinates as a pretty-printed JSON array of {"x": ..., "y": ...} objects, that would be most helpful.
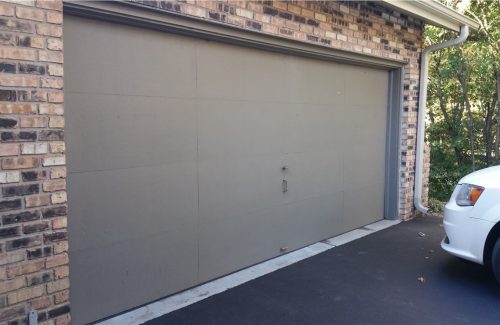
[
  {"x": 458, "y": 155},
  {"x": 471, "y": 134},
  {"x": 470, "y": 123},
  {"x": 457, "y": 114},
  {"x": 431, "y": 115},
  {"x": 451, "y": 121},
  {"x": 488, "y": 141}
]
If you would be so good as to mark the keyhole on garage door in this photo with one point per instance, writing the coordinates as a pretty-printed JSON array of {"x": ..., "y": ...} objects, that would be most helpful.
[{"x": 284, "y": 182}]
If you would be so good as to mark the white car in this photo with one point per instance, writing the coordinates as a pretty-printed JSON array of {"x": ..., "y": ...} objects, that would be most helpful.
[{"x": 472, "y": 219}]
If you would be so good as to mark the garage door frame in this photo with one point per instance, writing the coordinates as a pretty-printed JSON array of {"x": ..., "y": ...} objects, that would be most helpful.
[
  {"x": 138, "y": 15},
  {"x": 392, "y": 147}
]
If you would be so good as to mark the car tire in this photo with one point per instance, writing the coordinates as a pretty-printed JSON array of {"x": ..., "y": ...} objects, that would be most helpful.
[{"x": 495, "y": 260}]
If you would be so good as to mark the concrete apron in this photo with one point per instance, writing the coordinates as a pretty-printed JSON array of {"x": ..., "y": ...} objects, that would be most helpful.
[{"x": 193, "y": 295}]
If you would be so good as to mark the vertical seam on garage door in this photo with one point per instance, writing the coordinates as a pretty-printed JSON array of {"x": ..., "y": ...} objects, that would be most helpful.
[
  {"x": 198, "y": 221},
  {"x": 343, "y": 159}
]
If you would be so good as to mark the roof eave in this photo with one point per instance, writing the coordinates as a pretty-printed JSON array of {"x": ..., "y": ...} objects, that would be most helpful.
[{"x": 434, "y": 13}]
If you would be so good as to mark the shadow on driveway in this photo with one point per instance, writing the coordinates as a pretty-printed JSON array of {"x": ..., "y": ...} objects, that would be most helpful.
[{"x": 373, "y": 280}]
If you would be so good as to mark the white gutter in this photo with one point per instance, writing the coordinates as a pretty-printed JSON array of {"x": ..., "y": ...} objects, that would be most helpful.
[{"x": 422, "y": 99}]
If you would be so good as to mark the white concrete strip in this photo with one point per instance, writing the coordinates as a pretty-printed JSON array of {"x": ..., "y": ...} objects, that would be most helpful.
[
  {"x": 348, "y": 237},
  {"x": 190, "y": 296},
  {"x": 382, "y": 224}
]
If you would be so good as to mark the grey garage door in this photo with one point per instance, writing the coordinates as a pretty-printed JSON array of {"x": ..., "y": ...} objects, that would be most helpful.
[{"x": 177, "y": 152}]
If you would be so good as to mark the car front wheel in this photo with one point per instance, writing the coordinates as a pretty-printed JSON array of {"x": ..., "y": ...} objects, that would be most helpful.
[{"x": 495, "y": 260}]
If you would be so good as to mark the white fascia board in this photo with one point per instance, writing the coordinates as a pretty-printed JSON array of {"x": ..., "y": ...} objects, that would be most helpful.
[{"x": 433, "y": 13}]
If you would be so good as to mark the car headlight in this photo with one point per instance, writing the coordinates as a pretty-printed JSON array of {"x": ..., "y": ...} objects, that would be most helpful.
[{"x": 468, "y": 194}]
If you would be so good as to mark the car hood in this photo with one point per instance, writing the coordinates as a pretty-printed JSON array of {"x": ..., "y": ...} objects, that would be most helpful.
[{"x": 488, "y": 177}]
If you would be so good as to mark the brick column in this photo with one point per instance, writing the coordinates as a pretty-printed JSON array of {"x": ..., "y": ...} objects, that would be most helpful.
[{"x": 33, "y": 237}]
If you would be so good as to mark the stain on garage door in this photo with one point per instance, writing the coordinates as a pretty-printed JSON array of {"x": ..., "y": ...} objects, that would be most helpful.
[{"x": 178, "y": 149}]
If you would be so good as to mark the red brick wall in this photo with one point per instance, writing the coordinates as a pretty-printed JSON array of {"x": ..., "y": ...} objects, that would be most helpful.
[{"x": 33, "y": 238}]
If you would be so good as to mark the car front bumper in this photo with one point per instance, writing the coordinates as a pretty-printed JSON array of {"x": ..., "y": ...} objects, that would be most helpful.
[{"x": 465, "y": 236}]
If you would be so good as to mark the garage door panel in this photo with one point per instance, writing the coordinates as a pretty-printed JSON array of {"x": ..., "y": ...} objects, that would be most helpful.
[
  {"x": 313, "y": 82},
  {"x": 229, "y": 72},
  {"x": 115, "y": 279},
  {"x": 164, "y": 196},
  {"x": 315, "y": 127},
  {"x": 231, "y": 129},
  {"x": 232, "y": 242},
  {"x": 221, "y": 67},
  {"x": 367, "y": 202},
  {"x": 122, "y": 69},
  {"x": 364, "y": 157},
  {"x": 362, "y": 118},
  {"x": 353, "y": 180},
  {"x": 171, "y": 134},
  {"x": 148, "y": 219},
  {"x": 312, "y": 219},
  {"x": 267, "y": 128},
  {"x": 313, "y": 174},
  {"x": 366, "y": 87},
  {"x": 232, "y": 187}
]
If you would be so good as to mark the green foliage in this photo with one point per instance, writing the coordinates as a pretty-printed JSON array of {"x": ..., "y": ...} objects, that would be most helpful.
[
  {"x": 463, "y": 109},
  {"x": 442, "y": 181},
  {"x": 435, "y": 206}
]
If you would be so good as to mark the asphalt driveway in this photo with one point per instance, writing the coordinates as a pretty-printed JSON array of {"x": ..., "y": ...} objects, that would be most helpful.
[{"x": 373, "y": 280}]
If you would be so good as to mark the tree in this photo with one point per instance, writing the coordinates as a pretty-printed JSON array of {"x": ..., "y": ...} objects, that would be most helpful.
[
  {"x": 487, "y": 14},
  {"x": 464, "y": 98}
]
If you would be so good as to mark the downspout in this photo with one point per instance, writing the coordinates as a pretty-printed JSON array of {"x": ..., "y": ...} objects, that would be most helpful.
[{"x": 422, "y": 99}]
